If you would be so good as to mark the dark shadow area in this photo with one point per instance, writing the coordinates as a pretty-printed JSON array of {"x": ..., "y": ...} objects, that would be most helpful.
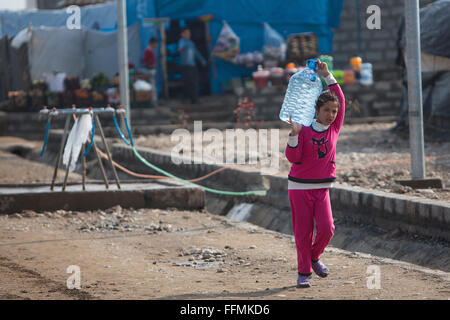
[{"x": 221, "y": 295}]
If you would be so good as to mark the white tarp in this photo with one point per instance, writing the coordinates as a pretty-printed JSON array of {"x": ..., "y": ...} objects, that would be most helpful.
[
  {"x": 81, "y": 53},
  {"x": 56, "y": 50},
  {"x": 102, "y": 16},
  {"x": 101, "y": 53}
]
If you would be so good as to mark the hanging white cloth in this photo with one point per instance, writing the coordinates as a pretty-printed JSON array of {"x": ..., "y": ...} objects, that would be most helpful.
[{"x": 77, "y": 137}]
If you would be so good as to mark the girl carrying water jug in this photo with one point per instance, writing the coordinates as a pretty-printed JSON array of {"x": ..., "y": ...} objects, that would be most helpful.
[{"x": 311, "y": 152}]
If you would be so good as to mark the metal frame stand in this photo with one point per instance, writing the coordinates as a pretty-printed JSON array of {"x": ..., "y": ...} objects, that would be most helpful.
[{"x": 94, "y": 112}]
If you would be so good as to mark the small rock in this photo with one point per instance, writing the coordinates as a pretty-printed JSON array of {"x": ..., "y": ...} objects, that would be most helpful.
[
  {"x": 207, "y": 251},
  {"x": 252, "y": 247},
  {"x": 116, "y": 209},
  {"x": 194, "y": 251},
  {"x": 425, "y": 191},
  {"x": 29, "y": 214},
  {"x": 152, "y": 226},
  {"x": 398, "y": 189}
]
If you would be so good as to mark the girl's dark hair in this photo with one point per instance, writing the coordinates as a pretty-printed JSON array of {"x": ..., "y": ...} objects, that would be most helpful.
[{"x": 325, "y": 97}]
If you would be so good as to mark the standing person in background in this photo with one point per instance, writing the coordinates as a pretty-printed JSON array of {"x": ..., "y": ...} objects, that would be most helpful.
[
  {"x": 189, "y": 72},
  {"x": 151, "y": 65}
]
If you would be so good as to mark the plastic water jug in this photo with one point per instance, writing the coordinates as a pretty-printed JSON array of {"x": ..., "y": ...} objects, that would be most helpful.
[{"x": 303, "y": 90}]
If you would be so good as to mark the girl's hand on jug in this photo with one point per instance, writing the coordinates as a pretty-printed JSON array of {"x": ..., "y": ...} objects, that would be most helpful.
[
  {"x": 322, "y": 68},
  {"x": 295, "y": 127}
]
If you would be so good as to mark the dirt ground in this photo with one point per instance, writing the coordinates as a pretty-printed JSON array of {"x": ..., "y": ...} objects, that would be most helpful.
[
  {"x": 172, "y": 254},
  {"x": 367, "y": 155},
  {"x": 15, "y": 169}
]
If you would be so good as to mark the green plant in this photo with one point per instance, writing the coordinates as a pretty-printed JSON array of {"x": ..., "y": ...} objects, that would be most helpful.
[{"x": 100, "y": 80}]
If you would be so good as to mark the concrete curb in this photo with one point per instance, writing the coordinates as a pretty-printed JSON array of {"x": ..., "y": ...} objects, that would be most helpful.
[
  {"x": 412, "y": 215},
  {"x": 157, "y": 197}
]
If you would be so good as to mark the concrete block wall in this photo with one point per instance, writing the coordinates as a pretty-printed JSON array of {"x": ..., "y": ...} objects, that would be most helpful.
[
  {"x": 411, "y": 215},
  {"x": 378, "y": 46}
]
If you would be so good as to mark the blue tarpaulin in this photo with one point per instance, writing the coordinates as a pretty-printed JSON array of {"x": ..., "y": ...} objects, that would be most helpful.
[{"x": 246, "y": 18}]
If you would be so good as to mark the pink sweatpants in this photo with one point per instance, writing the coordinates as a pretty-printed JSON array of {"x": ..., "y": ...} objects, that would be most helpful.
[{"x": 308, "y": 206}]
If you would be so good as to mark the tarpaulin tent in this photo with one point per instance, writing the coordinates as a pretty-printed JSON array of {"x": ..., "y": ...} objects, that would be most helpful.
[
  {"x": 247, "y": 17},
  {"x": 14, "y": 68},
  {"x": 85, "y": 53},
  {"x": 435, "y": 57}
]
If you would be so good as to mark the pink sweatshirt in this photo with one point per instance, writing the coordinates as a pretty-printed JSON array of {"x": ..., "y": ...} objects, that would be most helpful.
[{"x": 313, "y": 158}]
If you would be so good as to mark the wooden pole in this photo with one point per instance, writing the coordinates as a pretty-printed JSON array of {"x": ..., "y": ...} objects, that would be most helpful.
[
  {"x": 61, "y": 149},
  {"x": 116, "y": 177},
  {"x": 83, "y": 163}
]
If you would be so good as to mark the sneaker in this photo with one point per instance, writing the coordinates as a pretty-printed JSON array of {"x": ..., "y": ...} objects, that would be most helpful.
[
  {"x": 303, "y": 282},
  {"x": 320, "y": 269}
]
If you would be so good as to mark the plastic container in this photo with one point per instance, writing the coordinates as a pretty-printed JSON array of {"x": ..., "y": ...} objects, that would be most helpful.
[
  {"x": 356, "y": 63},
  {"x": 339, "y": 76},
  {"x": 290, "y": 71},
  {"x": 261, "y": 77},
  {"x": 301, "y": 95},
  {"x": 349, "y": 77},
  {"x": 276, "y": 76},
  {"x": 366, "y": 74}
]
